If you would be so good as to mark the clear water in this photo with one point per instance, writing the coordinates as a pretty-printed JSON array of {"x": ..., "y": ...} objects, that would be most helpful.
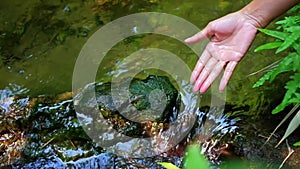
[{"x": 41, "y": 40}]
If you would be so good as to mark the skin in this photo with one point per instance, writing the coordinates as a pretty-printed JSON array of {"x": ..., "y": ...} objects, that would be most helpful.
[{"x": 231, "y": 37}]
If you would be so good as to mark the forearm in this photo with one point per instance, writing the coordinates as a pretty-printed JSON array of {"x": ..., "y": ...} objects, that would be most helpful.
[{"x": 264, "y": 11}]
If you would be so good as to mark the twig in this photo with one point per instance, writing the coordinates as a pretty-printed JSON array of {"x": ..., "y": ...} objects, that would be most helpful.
[
  {"x": 291, "y": 151},
  {"x": 47, "y": 142}
]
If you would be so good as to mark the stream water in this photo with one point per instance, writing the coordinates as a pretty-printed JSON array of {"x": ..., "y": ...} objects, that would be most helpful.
[{"x": 40, "y": 41}]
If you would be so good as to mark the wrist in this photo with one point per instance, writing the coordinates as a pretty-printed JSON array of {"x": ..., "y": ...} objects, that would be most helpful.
[
  {"x": 261, "y": 12},
  {"x": 254, "y": 17}
]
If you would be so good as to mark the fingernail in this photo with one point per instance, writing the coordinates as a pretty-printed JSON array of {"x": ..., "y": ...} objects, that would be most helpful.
[
  {"x": 221, "y": 89},
  {"x": 204, "y": 88},
  {"x": 196, "y": 88},
  {"x": 193, "y": 78},
  {"x": 187, "y": 40}
]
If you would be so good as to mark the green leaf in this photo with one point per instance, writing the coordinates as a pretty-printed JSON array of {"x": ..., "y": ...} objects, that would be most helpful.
[
  {"x": 294, "y": 124},
  {"x": 296, "y": 63},
  {"x": 194, "y": 159},
  {"x": 276, "y": 34},
  {"x": 297, "y": 144},
  {"x": 280, "y": 107},
  {"x": 294, "y": 9},
  {"x": 296, "y": 46},
  {"x": 270, "y": 45},
  {"x": 283, "y": 66},
  {"x": 289, "y": 41},
  {"x": 290, "y": 96},
  {"x": 295, "y": 28},
  {"x": 263, "y": 79},
  {"x": 289, "y": 22},
  {"x": 168, "y": 165},
  {"x": 283, "y": 120},
  {"x": 238, "y": 164}
]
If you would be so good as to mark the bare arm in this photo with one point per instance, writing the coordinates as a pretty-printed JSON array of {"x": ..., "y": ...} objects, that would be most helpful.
[
  {"x": 232, "y": 36},
  {"x": 264, "y": 11}
]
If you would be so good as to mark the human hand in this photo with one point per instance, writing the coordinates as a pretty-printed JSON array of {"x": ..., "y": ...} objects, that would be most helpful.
[{"x": 231, "y": 36}]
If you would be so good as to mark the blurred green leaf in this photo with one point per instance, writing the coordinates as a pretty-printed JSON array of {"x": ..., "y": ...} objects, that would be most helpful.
[
  {"x": 297, "y": 144},
  {"x": 194, "y": 159},
  {"x": 168, "y": 165}
]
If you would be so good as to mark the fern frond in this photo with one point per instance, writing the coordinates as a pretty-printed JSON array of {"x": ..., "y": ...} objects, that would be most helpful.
[
  {"x": 263, "y": 79},
  {"x": 288, "y": 37},
  {"x": 289, "y": 41},
  {"x": 289, "y": 21},
  {"x": 296, "y": 62},
  {"x": 296, "y": 46},
  {"x": 271, "y": 45},
  {"x": 284, "y": 66},
  {"x": 294, "y": 28},
  {"x": 294, "y": 9},
  {"x": 275, "y": 34},
  {"x": 292, "y": 86}
]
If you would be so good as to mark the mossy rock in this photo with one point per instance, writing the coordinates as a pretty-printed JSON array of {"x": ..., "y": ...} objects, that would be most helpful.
[{"x": 135, "y": 104}]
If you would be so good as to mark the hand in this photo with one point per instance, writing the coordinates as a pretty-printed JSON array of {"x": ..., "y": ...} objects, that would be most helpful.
[{"x": 231, "y": 36}]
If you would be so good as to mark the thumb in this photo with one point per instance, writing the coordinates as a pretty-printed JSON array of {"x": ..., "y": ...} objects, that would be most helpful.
[{"x": 205, "y": 33}]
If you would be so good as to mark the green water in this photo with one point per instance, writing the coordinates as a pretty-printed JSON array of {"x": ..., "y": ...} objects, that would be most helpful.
[{"x": 41, "y": 40}]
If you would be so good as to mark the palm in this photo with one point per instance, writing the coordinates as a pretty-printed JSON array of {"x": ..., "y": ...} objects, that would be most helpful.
[{"x": 231, "y": 37}]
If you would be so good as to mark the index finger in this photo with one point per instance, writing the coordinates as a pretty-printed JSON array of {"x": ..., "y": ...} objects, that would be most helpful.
[{"x": 205, "y": 33}]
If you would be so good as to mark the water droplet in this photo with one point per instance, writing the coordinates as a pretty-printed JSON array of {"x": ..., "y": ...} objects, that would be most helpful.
[
  {"x": 67, "y": 9},
  {"x": 135, "y": 30},
  {"x": 21, "y": 71}
]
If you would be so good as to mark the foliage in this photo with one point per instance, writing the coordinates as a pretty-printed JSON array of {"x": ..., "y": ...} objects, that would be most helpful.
[
  {"x": 192, "y": 160},
  {"x": 168, "y": 165},
  {"x": 287, "y": 38},
  {"x": 195, "y": 160},
  {"x": 297, "y": 144},
  {"x": 294, "y": 124}
]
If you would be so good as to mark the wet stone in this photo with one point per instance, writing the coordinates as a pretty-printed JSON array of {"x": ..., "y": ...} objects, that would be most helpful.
[
  {"x": 55, "y": 138},
  {"x": 50, "y": 134}
]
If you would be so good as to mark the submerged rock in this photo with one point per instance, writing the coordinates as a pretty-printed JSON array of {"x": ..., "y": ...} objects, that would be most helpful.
[
  {"x": 53, "y": 137},
  {"x": 46, "y": 132}
]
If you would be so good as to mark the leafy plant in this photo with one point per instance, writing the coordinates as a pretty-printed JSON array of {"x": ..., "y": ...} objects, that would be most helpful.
[
  {"x": 192, "y": 160},
  {"x": 287, "y": 37},
  {"x": 297, "y": 144}
]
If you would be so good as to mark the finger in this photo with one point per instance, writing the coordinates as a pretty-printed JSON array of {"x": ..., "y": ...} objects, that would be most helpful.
[
  {"x": 199, "y": 66},
  {"x": 212, "y": 77},
  {"x": 205, "y": 33},
  {"x": 227, "y": 74},
  {"x": 204, "y": 73}
]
